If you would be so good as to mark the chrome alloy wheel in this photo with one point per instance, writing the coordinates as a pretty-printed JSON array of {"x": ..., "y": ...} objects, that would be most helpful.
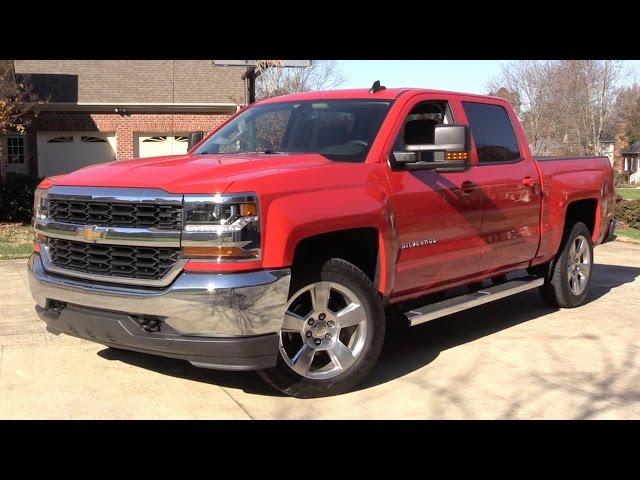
[
  {"x": 579, "y": 265},
  {"x": 324, "y": 330}
]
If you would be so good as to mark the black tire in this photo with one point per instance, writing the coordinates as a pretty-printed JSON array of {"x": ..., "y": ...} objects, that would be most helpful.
[
  {"x": 283, "y": 378},
  {"x": 557, "y": 291}
]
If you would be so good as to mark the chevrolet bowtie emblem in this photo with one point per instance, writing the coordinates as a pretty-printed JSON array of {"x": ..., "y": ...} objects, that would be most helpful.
[{"x": 89, "y": 234}]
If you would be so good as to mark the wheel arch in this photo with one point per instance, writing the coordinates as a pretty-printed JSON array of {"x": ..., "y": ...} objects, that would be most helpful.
[
  {"x": 584, "y": 210},
  {"x": 359, "y": 246}
]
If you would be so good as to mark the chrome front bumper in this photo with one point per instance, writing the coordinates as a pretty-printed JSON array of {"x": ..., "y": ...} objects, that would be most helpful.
[{"x": 195, "y": 304}]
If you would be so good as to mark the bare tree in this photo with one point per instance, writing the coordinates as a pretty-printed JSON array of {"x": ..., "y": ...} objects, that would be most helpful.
[
  {"x": 565, "y": 106},
  {"x": 527, "y": 81},
  {"x": 274, "y": 79},
  {"x": 626, "y": 115},
  {"x": 18, "y": 104},
  {"x": 591, "y": 88}
]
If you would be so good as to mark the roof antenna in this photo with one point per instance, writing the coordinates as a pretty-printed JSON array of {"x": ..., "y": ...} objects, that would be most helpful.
[{"x": 376, "y": 87}]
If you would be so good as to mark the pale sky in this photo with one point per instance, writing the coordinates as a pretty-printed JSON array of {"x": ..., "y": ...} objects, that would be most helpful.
[{"x": 468, "y": 76}]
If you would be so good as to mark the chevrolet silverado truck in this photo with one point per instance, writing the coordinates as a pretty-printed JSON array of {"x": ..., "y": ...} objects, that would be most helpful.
[{"x": 289, "y": 239}]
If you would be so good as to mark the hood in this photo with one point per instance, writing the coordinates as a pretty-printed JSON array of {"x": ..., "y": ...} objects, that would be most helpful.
[{"x": 189, "y": 173}]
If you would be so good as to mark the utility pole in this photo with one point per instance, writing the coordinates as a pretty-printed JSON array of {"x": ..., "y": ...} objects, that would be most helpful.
[
  {"x": 252, "y": 72},
  {"x": 249, "y": 78}
]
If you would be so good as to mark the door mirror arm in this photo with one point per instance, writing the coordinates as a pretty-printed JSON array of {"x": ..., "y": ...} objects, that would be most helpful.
[{"x": 194, "y": 138}]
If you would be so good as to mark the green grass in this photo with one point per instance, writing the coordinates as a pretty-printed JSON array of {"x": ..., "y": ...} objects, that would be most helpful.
[
  {"x": 629, "y": 193},
  {"x": 17, "y": 251},
  {"x": 15, "y": 240},
  {"x": 632, "y": 234}
]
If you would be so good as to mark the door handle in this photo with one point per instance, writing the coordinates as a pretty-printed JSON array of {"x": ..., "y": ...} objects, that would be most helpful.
[
  {"x": 468, "y": 187},
  {"x": 532, "y": 182}
]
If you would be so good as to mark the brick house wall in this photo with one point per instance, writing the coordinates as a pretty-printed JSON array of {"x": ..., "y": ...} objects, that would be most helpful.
[
  {"x": 619, "y": 145},
  {"x": 6, "y": 71},
  {"x": 125, "y": 127},
  {"x": 3, "y": 158}
]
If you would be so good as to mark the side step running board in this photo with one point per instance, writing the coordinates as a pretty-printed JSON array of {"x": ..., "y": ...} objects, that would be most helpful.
[{"x": 470, "y": 300}]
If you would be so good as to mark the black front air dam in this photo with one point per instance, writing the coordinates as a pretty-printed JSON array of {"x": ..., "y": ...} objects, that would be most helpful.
[{"x": 122, "y": 331}]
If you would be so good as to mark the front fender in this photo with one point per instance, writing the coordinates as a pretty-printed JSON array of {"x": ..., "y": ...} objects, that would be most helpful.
[{"x": 294, "y": 217}]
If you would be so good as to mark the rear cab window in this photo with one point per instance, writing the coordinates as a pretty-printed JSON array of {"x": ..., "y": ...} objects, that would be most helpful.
[{"x": 492, "y": 133}]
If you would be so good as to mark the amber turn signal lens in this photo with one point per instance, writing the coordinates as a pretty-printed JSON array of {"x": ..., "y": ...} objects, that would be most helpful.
[
  {"x": 39, "y": 239},
  {"x": 456, "y": 155},
  {"x": 247, "y": 209},
  {"x": 234, "y": 252}
]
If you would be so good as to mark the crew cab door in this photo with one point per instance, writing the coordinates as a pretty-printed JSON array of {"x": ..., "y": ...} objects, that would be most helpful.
[
  {"x": 509, "y": 186},
  {"x": 437, "y": 215}
]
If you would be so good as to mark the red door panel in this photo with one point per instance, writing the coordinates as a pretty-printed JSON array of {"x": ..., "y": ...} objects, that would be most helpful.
[
  {"x": 509, "y": 189},
  {"x": 437, "y": 221},
  {"x": 510, "y": 214}
]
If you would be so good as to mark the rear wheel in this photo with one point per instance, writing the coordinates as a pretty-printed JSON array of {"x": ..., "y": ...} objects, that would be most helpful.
[
  {"x": 570, "y": 276},
  {"x": 332, "y": 333}
]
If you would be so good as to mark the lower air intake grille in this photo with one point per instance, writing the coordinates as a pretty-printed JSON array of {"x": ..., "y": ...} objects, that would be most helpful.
[{"x": 146, "y": 263}]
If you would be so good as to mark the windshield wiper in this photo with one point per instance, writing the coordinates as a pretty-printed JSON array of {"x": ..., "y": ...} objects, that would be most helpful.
[{"x": 266, "y": 152}]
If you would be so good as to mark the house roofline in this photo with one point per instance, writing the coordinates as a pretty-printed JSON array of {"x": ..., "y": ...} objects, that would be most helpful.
[{"x": 133, "y": 107}]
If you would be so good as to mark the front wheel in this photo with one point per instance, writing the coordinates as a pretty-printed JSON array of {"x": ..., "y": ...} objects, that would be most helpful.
[
  {"x": 332, "y": 332},
  {"x": 570, "y": 277}
]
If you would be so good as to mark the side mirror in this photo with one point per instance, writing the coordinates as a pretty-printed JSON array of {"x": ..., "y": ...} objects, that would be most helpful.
[
  {"x": 450, "y": 151},
  {"x": 194, "y": 138}
]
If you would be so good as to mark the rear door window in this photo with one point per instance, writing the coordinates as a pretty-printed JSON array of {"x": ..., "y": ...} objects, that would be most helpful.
[{"x": 492, "y": 132}]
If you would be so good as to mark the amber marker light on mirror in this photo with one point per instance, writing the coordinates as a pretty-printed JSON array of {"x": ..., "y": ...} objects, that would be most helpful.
[{"x": 448, "y": 156}]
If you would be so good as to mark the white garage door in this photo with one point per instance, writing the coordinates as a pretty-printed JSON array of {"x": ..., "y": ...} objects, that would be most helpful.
[
  {"x": 68, "y": 151},
  {"x": 158, "y": 145}
]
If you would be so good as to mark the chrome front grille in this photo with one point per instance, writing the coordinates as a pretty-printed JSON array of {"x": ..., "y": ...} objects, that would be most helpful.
[
  {"x": 147, "y": 263},
  {"x": 116, "y": 214},
  {"x": 127, "y": 236}
]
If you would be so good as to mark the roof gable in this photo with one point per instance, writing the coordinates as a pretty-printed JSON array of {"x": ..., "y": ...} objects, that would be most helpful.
[
  {"x": 632, "y": 149},
  {"x": 133, "y": 81}
]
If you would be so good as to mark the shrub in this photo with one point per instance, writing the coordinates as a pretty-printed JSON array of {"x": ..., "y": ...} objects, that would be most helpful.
[
  {"x": 621, "y": 180},
  {"x": 16, "y": 198},
  {"x": 628, "y": 211}
]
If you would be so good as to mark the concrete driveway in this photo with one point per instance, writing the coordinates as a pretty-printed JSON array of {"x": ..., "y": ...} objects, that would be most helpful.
[{"x": 515, "y": 358}]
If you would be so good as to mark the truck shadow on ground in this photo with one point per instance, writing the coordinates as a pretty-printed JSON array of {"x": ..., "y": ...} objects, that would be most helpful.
[{"x": 406, "y": 351}]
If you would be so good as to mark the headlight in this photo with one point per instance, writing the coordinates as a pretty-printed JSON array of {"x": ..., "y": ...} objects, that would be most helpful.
[
  {"x": 40, "y": 203},
  {"x": 223, "y": 227}
]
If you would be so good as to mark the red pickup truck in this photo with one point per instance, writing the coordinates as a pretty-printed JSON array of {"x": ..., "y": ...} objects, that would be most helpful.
[{"x": 287, "y": 240}]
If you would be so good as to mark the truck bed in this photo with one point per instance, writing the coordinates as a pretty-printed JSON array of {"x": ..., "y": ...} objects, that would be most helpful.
[{"x": 569, "y": 179}]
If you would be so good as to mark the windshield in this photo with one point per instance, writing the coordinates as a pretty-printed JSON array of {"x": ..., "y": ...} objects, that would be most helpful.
[{"x": 340, "y": 130}]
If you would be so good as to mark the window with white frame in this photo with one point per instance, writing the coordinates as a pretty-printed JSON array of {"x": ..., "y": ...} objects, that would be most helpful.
[{"x": 15, "y": 149}]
